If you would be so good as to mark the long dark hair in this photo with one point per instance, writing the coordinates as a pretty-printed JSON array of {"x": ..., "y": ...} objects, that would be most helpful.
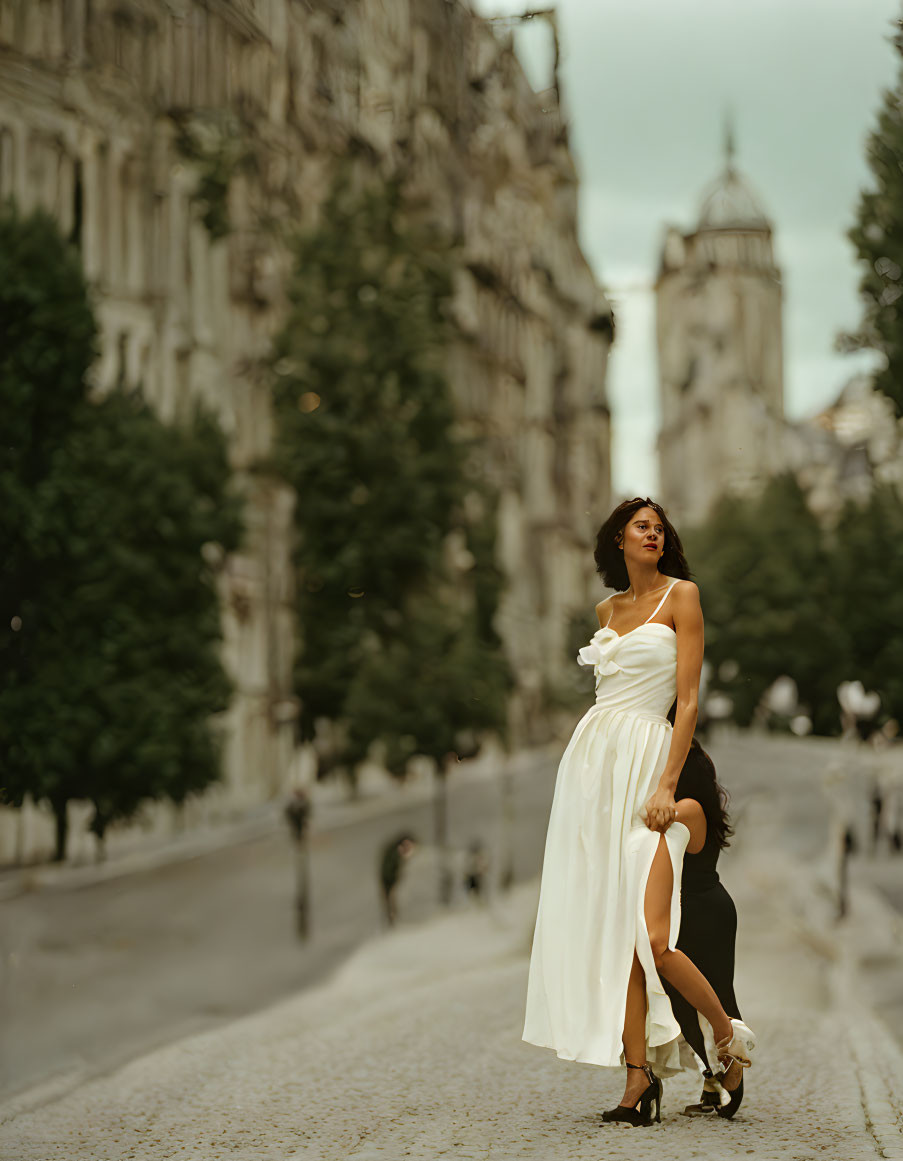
[
  {"x": 610, "y": 559},
  {"x": 698, "y": 780}
]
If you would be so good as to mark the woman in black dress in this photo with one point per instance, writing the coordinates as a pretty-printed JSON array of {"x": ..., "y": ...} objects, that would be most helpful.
[{"x": 708, "y": 924}]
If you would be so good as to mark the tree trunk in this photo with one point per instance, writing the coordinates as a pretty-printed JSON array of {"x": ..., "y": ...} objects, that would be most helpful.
[{"x": 61, "y": 814}]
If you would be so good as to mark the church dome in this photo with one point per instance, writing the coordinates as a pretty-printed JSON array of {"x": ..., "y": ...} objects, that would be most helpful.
[{"x": 730, "y": 204}]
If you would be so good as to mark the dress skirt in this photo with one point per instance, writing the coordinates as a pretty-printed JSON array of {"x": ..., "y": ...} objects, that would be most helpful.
[{"x": 598, "y": 856}]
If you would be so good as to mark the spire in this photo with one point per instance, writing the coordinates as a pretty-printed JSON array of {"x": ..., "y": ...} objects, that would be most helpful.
[
  {"x": 729, "y": 142},
  {"x": 729, "y": 202}
]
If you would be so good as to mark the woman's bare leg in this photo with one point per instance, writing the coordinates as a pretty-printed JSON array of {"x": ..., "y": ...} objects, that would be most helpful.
[
  {"x": 677, "y": 968},
  {"x": 634, "y": 1037}
]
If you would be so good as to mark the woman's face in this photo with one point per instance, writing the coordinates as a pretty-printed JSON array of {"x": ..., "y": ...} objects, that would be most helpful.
[{"x": 644, "y": 537}]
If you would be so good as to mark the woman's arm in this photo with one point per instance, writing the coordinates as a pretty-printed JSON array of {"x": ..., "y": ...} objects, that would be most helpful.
[
  {"x": 688, "y": 625},
  {"x": 691, "y": 814}
]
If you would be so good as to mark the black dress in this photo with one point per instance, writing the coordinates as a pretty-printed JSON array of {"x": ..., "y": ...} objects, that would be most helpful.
[{"x": 708, "y": 934}]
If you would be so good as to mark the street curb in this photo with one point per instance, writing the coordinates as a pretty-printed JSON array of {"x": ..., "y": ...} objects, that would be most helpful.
[
  {"x": 880, "y": 1075},
  {"x": 877, "y": 1056},
  {"x": 44, "y": 1093}
]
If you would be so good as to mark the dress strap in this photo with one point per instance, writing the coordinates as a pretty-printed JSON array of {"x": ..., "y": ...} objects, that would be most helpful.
[{"x": 674, "y": 581}]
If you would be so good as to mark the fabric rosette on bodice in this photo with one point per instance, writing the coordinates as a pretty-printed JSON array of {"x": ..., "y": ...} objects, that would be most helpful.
[{"x": 598, "y": 653}]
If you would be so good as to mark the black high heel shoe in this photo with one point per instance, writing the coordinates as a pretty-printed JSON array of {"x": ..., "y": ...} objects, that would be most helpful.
[
  {"x": 710, "y": 1101},
  {"x": 641, "y": 1113}
]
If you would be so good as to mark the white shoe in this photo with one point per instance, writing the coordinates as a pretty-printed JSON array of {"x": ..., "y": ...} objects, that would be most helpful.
[{"x": 738, "y": 1046}]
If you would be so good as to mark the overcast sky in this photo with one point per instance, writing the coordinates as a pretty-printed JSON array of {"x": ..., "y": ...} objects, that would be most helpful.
[{"x": 646, "y": 85}]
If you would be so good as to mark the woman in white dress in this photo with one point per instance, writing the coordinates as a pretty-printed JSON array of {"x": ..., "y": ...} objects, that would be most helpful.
[{"x": 609, "y": 906}]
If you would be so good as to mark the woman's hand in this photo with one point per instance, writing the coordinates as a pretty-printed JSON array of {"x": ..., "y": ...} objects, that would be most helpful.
[{"x": 660, "y": 811}]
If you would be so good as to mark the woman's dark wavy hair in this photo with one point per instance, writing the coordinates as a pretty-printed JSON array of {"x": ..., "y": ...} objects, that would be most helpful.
[
  {"x": 698, "y": 780},
  {"x": 610, "y": 559}
]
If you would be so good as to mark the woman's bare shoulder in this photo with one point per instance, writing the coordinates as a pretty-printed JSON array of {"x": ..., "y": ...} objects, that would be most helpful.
[
  {"x": 686, "y": 587},
  {"x": 686, "y": 594},
  {"x": 603, "y": 610}
]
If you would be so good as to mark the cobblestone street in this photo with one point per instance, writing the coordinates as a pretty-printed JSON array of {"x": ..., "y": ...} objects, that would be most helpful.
[{"x": 413, "y": 1050}]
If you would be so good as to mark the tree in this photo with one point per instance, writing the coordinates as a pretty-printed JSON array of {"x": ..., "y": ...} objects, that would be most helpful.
[
  {"x": 877, "y": 236},
  {"x": 366, "y": 438},
  {"x": 363, "y": 431},
  {"x": 48, "y": 342},
  {"x": 763, "y": 568},
  {"x": 111, "y": 624},
  {"x": 866, "y": 565}
]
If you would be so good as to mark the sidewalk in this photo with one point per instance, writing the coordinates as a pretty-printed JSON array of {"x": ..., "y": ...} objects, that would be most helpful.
[
  {"x": 332, "y": 808},
  {"x": 414, "y": 1050}
]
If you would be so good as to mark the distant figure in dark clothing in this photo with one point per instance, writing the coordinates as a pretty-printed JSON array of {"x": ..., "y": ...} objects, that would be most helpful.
[
  {"x": 475, "y": 871},
  {"x": 394, "y": 856},
  {"x": 708, "y": 924},
  {"x": 297, "y": 812}
]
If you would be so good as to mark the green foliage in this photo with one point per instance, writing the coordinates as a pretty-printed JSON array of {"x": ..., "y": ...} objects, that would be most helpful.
[
  {"x": 110, "y": 620},
  {"x": 866, "y": 569},
  {"x": 878, "y": 239},
  {"x": 781, "y": 596},
  {"x": 429, "y": 692},
  {"x": 365, "y": 422},
  {"x": 763, "y": 570},
  {"x": 48, "y": 339}
]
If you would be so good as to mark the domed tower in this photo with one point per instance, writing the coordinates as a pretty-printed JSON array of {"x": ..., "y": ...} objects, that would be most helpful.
[{"x": 720, "y": 351}]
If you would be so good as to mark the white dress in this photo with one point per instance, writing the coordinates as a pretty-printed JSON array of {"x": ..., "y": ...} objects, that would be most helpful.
[{"x": 598, "y": 856}]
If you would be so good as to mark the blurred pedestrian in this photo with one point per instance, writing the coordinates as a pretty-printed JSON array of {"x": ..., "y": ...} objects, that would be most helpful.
[
  {"x": 395, "y": 854},
  {"x": 708, "y": 924},
  {"x": 476, "y": 869},
  {"x": 847, "y": 848},
  {"x": 297, "y": 813}
]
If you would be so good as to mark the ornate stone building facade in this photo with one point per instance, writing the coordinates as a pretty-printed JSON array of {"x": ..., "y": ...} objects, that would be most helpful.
[
  {"x": 847, "y": 449},
  {"x": 134, "y": 120},
  {"x": 720, "y": 352}
]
